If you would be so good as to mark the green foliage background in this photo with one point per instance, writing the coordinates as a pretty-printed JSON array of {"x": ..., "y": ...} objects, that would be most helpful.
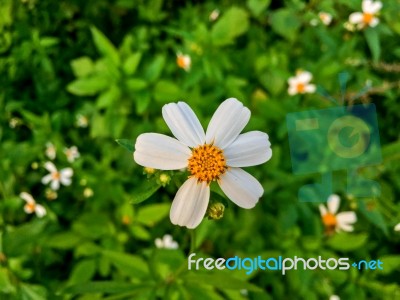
[{"x": 115, "y": 63}]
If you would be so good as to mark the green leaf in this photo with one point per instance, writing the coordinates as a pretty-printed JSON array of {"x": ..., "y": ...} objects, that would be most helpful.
[
  {"x": 373, "y": 215},
  {"x": 155, "y": 68},
  {"x": 166, "y": 91},
  {"x": 391, "y": 152},
  {"x": 88, "y": 86},
  {"x": 391, "y": 263},
  {"x": 110, "y": 287},
  {"x": 153, "y": 213},
  {"x": 347, "y": 241},
  {"x": 82, "y": 66},
  {"x": 5, "y": 283},
  {"x": 82, "y": 271},
  {"x": 257, "y": 6},
  {"x": 32, "y": 292},
  {"x": 127, "y": 144},
  {"x": 135, "y": 84},
  {"x": 108, "y": 97},
  {"x": 129, "y": 264},
  {"x": 286, "y": 23},
  {"x": 131, "y": 63},
  {"x": 63, "y": 240},
  {"x": 92, "y": 225},
  {"x": 144, "y": 192},
  {"x": 233, "y": 23},
  {"x": 372, "y": 37},
  {"x": 221, "y": 281},
  {"x": 104, "y": 46}
]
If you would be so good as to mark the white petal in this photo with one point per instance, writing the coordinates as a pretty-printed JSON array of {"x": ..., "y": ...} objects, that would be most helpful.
[
  {"x": 159, "y": 243},
  {"x": 375, "y": 7},
  {"x": 46, "y": 179},
  {"x": 304, "y": 77},
  {"x": 190, "y": 203},
  {"x": 334, "y": 297},
  {"x": 310, "y": 88},
  {"x": 65, "y": 180},
  {"x": 293, "y": 81},
  {"x": 346, "y": 217},
  {"x": 249, "y": 149},
  {"x": 344, "y": 227},
  {"x": 161, "y": 152},
  {"x": 27, "y": 197},
  {"x": 50, "y": 167},
  {"x": 292, "y": 90},
  {"x": 55, "y": 185},
  {"x": 184, "y": 124},
  {"x": 40, "y": 210},
  {"x": 397, "y": 227},
  {"x": 322, "y": 210},
  {"x": 241, "y": 187},
  {"x": 333, "y": 203},
  {"x": 356, "y": 18},
  {"x": 374, "y": 22},
  {"x": 66, "y": 173},
  {"x": 227, "y": 122}
]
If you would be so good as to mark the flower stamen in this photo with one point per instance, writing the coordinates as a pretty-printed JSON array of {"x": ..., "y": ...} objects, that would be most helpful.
[{"x": 207, "y": 163}]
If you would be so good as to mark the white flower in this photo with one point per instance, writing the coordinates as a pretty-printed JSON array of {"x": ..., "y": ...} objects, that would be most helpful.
[
  {"x": 300, "y": 84},
  {"x": 55, "y": 176},
  {"x": 214, "y": 15},
  {"x": 183, "y": 61},
  {"x": 397, "y": 227},
  {"x": 166, "y": 242},
  {"x": 50, "y": 151},
  {"x": 71, "y": 153},
  {"x": 325, "y": 18},
  {"x": 216, "y": 155},
  {"x": 336, "y": 221},
  {"x": 334, "y": 297},
  {"x": 31, "y": 205},
  {"x": 368, "y": 15},
  {"x": 82, "y": 121}
]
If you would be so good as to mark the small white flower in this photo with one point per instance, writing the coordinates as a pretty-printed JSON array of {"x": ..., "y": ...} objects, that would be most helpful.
[
  {"x": 397, "y": 227},
  {"x": 325, "y": 18},
  {"x": 313, "y": 22},
  {"x": 50, "y": 151},
  {"x": 368, "y": 15},
  {"x": 55, "y": 176},
  {"x": 214, "y": 15},
  {"x": 31, "y": 205},
  {"x": 336, "y": 221},
  {"x": 183, "y": 61},
  {"x": 72, "y": 153},
  {"x": 14, "y": 122},
  {"x": 166, "y": 242},
  {"x": 82, "y": 121},
  {"x": 334, "y": 297},
  {"x": 300, "y": 84},
  {"x": 216, "y": 155}
]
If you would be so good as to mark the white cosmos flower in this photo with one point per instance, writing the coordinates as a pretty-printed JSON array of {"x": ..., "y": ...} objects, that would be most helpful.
[
  {"x": 166, "y": 242},
  {"x": 336, "y": 221},
  {"x": 300, "y": 84},
  {"x": 325, "y": 18},
  {"x": 334, "y": 297},
  {"x": 183, "y": 61},
  {"x": 31, "y": 205},
  {"x": 50, "y": 151},
  {"x": 72, "y": 153},
  {"x": 368, "y": 15},
  {"x": 397, "y": 227},
  {"x": 216, "y": 155},
  {"x": 55, "y": 176}
]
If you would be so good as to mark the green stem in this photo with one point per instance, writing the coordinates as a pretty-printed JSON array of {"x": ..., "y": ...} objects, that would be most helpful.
[{"x": 192, "y": 241}]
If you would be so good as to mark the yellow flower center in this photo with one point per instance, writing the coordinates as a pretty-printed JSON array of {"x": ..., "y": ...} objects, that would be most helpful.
[
  {"x": 55, "y": 176},
  {"x": 329, "y": 220},
  {"x": 301, "y": 88},
  {"x": 207, "y": 163},
  {"x": 367, "y": 18},
  {"x": 30, "y": 207},
  {"x": 181, "y": 61}
]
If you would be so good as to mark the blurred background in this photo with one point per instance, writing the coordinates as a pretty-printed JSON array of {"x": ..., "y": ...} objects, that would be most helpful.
[{"x": 81, "y": 220}]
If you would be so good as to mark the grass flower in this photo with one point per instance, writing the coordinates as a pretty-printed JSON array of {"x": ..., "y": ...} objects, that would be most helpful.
[
  {"x": 31, "y": 206},
  {"x": 166, "y": 242},
  {"x": 51, "y": 152},
  {"x": 71, "y": 153},
  {"x": 183, "y": 61},
  {"x": 216, "y": 155},
  {"x": 56, "y": 177},
  {"x": 300, "y": 84},
  {"x": 334, "y": 221},
  {"x": 82, "y": 121},
  {"x": 368, "y": 15},
  {"x": 214, "y": 15}
]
